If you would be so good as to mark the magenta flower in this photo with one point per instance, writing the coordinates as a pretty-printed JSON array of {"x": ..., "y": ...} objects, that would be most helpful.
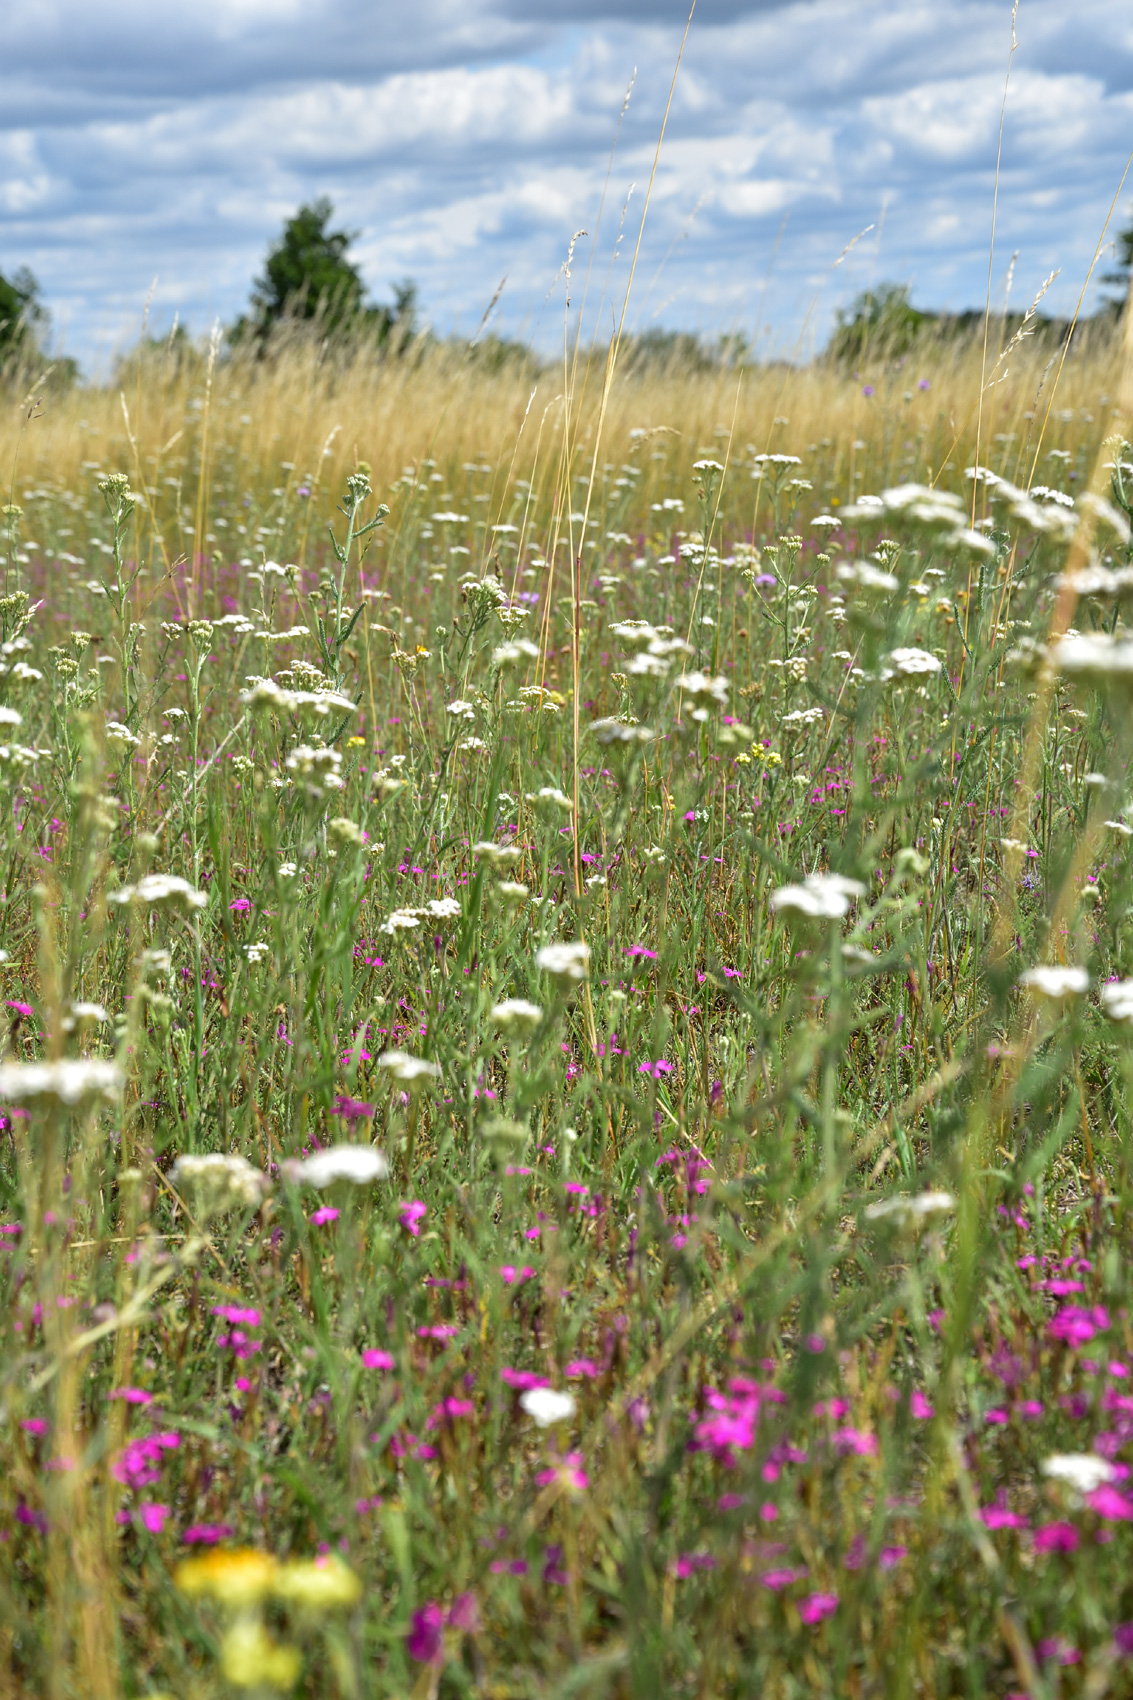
[
  {"x": 1076, "y": 1324},
  {"x": 581, "y": 1369},
  {"x": 1123, "y": 1639},
  {"x": 464, "y": 1614},
  {"x": 814, "y": 1607},
  {"x": 1113, "y": 1506},
  {"x": 241, "y": 905},
  {"x": 153, "y": 1516},
  {"x": 327, "y": 1213},
  {"x": 919, "y": 1406},
  {"x": 569, "y": 1471},
  {"x": 888, "y": 1557},
  {"x": 238, "y": 1313},
  {"x": 523, "y": 1379},
  {"x": 411, "y": 1215},
  {"x": 998, "y": 1516},
  {"x": 132, "y": 1395},
  {"x": 425, "y": 1641},
  {"x": 688, "y": 1562},
  {"x": 855, "y": 1440},
  {"x": 448, "y": 1410},
  {"x": 374, "y": 1358},
  {"x": 639, "y": 950},
  {"x": 777, "y": 1580},
  {"x": 1056, "y": 1537},
  {"x": 510, "y": 1274},
  {"x": 207, "y": 1534}
]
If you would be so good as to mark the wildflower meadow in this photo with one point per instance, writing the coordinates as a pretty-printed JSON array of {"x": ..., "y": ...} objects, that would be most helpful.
[{"x": 567, "y": 990}]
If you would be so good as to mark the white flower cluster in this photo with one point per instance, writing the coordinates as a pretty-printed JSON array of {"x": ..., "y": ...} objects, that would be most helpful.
[
  {"x": 161, "y": 891},
  {"x": 70, "y": 1081},
  {"x": 567, "y": 963},
  {"x": 220, "y": 1182},
  {"x": 820, "y": 897}
]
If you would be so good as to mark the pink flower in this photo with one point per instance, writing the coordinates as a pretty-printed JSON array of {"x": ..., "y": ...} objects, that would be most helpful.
[
  {"x": 132, "y": 1395},
  {"x": 814, "y": 1607},
  {"x": 777, "y": 1580},
  {"x": 688, "y": 1562},
  {"x": 411, "y": 1215},
  {"x": 374, "y": 1358},
  {"x": 890, "y": 1556},
  {"x": 153, "y": 1516},
  {"x": 509, "y": 1274},
  {"x": 238, "y": 1313},
  {"x": 919, "y": 1406},
  {"x": 854, "y": 1440},
  {"x": 206, "y": 1534},
  {"x": 464, "y": 1614},
  {"x": 327, "y": 1213},
  {"x": 568, "y": 1471},
  {"x": 426, "y": 1642},
  {"x": 1076, "y": 1325},
  {"x": 523, "y": 1379},
  {"x": 1115, "y": 1507},
  {"x": 997, "y": 1516},
  {"x": 581, "y": 1369},
  {"x": 1056, "y": 1537}
]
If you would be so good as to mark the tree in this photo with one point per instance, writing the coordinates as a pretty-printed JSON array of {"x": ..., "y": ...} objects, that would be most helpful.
[
  {"x": 309, "y": 275},
  {"x": 1119, "y": 277},
  {"x": 22, "y": 315},
  {"x": 882, "y": 320}
]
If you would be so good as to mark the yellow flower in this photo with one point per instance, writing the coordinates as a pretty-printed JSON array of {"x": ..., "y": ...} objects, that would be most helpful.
[
  {"x": 355, "y": 743},
  {"x": 318, "y": 1583},
  {"x": 249, "y": 1658},
  {"x": 237, "y": 1576}
]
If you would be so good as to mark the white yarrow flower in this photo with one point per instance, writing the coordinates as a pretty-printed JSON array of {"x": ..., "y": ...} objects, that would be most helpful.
[
  {"x": 70, "y": 1080},
  {"x": 517, "y": 1015},
  {"x": 822, "y": 897},
  {"x": 1082, "y": 1471},
  {"x": 358, "y": 1163},
  {"x": 569, "y": 963},
  {"x": 1051, "y": 980},
  {"x": 408, "y": 1068},
  {"x": 546, "y": 1406},
  {"x": 903, "y": 1209},
  {"x": 1116, "y": 999}
]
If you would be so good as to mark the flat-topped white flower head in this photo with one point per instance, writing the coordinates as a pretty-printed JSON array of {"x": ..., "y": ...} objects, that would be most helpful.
[
  {"x": 219, "y": 1180},
  {"x": 568, "y": 963},
  {"x": 821, "y": 897},
  {"x": 70, "y": 1080},
  {"x": 1056, "y": 982},
  {"x": 1116, "y": 999},
  {"x": 909, "y": 663},
  {"x": 546, "y": 1406},
  {"x": 516, "y": 1015},
  {"x": 904, "y": 1209},
  {"x": 358, "y": 1163},
  {"x": 407, "y": 1068},
  {"x": 1082, "y": 1471}
]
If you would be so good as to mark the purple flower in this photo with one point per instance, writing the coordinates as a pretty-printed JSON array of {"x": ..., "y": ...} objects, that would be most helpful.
[
  {"x": 327, "y": 1213},
  {"x": 464, "y": 1614},
  {"x": 425, "y": 1641},
  {"x": 814, "y": 1607},
  {"x": 153, "y": 1516},
  {"x": 1123, "y": 1639},
  {"x": 924, "y": 384},
  {"x": 132, "y": 1395},
  {"x": 411, "y": 1214},
  {"x": 1056, "y": 1537},
  {"x": 867, "y": 389},
  {"x": 777, "y": 1580},
  {"x": 375, "y": 1359},
  {"x": 206, "y": 1534},
  {"x": 890, "y": 1556}
]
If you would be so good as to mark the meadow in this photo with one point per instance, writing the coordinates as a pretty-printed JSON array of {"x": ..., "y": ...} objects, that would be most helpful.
[{"x": 568, "y": 987}]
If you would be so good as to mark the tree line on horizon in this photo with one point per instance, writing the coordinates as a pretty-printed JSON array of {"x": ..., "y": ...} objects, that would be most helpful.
[{"x": 311, "y": 284}]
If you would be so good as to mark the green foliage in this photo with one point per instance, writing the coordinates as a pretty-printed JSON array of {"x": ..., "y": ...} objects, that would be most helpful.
[
  {"x": 688, "y": 1070},
  {"x": 308, "y": 276},
  {"x": 882, "y": 322},
  {"x": 22, "y": 315}
]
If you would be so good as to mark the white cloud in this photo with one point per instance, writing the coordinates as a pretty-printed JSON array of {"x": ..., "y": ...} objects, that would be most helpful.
[{"x": 469, "y": 138}]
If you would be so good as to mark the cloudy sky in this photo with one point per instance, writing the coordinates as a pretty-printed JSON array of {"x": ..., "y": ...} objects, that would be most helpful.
[{"x": 467, "y": 140}]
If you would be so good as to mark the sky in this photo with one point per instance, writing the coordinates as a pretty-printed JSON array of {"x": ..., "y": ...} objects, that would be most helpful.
[{"x": 152, "y": 153}]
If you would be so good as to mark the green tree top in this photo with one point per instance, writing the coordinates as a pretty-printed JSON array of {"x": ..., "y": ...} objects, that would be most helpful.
[
  {"x": 22, "y": 315},
  {"x": 1119, "y": 277},
  {"x": 308, "y": 274},
  {"x": 881, "y": 320}
]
